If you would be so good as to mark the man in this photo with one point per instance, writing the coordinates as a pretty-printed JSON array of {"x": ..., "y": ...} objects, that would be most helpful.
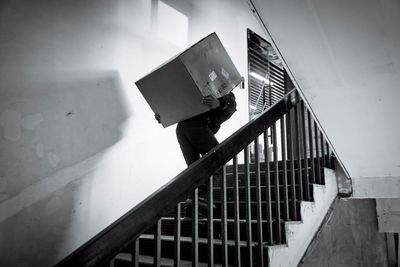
[{"x": 196, "y": 136}]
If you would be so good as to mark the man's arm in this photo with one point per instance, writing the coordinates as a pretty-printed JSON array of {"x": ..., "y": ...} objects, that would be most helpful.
[
  {"x": 226, "y": 109},
  {"x": 228, "y": 102},
  {"x": 224, "y": 102},
  {"x": 211, "y": 102}
]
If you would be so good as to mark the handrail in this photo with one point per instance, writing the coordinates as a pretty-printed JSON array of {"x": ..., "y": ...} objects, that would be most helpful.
[{"x": 105, "y": 245}]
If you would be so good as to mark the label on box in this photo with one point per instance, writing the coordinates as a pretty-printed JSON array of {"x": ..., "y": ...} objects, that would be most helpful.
[
  {"x": 225, "y": 73},
  {"x": 212, "y": 76}
]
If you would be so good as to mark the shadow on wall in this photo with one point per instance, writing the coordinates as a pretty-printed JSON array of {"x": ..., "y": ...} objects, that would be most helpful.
[
  {"x": 81, "y": 115},
  {"x": 53, "y": 123},
  {"x": 93, "y": 111}
]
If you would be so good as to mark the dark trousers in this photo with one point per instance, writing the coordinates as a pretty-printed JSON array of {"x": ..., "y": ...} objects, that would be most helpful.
[{"x": 195, "y": 139}]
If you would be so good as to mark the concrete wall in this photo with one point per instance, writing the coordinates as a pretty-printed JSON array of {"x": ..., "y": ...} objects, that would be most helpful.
[
  {"x": 388, "y": 211},
  {"x": 79, "y": 146},
  {"x": 344, "y": 56},
  {"x": 348, "y": 237}
]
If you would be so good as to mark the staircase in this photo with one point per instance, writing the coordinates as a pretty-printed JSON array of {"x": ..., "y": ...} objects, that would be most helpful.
[
  {"x": 272, "y": 233},
  {"x": 256, "y": 205}
]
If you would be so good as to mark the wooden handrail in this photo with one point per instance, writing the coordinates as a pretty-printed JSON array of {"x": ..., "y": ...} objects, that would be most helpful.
[{"x": 104, "y": 246}]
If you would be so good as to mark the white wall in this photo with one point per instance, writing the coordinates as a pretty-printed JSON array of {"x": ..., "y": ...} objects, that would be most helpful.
[
  {"x": 79, "y": 146},
  {"x": 345, "y": 57}
]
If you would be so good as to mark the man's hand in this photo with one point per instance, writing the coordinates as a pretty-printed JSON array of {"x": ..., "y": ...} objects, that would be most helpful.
[{"x": 211, "y": 102}]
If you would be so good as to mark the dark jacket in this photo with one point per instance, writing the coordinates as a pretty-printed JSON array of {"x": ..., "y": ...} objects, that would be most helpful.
[{"x": 215, "y": 117}]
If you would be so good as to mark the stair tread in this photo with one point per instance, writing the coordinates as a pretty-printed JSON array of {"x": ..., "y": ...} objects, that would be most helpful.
[
  {"x": 215, "y": 220},
  {"x": 202, "y": 240},
  {"x": 253, "y": 186},
  {"x": 127, "y": 257},
  {"x": 254, "y": 202},
  {"x": 263, "y": 171}
]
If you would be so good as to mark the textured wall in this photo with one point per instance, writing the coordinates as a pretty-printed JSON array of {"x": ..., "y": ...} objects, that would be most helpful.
[
  {"x": 349, "y": 237},
  {"x": 345, "y": 57},
  {"x": 79, "y": 146},
  {"x": 388, "y": 211}
]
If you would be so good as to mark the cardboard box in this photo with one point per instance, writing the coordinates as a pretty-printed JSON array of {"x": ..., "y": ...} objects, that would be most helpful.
[{"x": 175, "y": 90}]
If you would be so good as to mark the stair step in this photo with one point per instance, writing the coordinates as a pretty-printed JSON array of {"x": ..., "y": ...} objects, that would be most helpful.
[
  {"x": 252, "y": 164},
  {"x": 230, "y": 187},
  {"x": 149, "y": 260},
  {"x": 214, "y": 220},
  {"x": 188, "y": 239},
  {"x": 186, "y": 234},
  {"x": 253, "y": 202},
  {"x": 146, "y": 247},
  {"x": 230, "y": 179}
]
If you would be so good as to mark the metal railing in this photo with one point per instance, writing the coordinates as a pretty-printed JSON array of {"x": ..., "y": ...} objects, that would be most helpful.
[{"x": 247, "y": 202}]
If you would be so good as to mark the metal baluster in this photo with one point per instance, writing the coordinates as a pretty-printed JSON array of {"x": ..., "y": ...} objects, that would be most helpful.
[
  {"x": 398, "y": 248},
  {"x": 310, "y": 137},
  {"x": 268, "y": 189},
  {"x": 305, "y": 156},
  {"x": 248, "y": 208},
  {"x": 258, "y": 203},
  {"x": 224, "y": 226},
  {"x": 323, "y": 157},
  {"x": 177, "y": 236},
  {"x": 195, "y": 228},
  {"x": 157, "y": 244},
  {"x": 333, "y": 161},
  {"x": 276, "y": 178},
  {"x": 290, "y": 134},
  {"x": 284, "y": 171},
  {"x": 237, "y": 218},
  {"x": 298, "y": 144},
  {"x": 328, "y": 156},
  {"x": 135, "y": 253},
  {"x": 210, "y": 199},
  {"x": 317, "y": 160}
]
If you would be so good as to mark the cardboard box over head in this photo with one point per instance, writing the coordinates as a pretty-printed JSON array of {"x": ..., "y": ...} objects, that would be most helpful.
[{"x": 175, "y": 90}]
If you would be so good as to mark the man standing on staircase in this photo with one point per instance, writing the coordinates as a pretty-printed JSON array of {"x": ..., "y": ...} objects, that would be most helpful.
[{"x": 196, "y": 136}]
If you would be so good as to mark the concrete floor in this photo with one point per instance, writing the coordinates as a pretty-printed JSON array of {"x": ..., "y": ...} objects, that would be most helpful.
[{"x": 349, "y": 237}]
